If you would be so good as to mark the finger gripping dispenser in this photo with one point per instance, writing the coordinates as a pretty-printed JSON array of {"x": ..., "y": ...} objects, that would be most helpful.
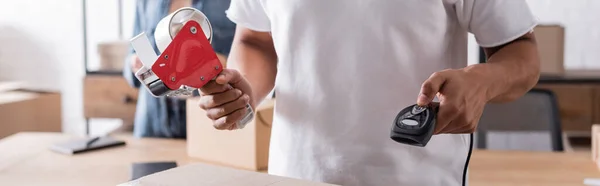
[{"x": 187, "y": 60}]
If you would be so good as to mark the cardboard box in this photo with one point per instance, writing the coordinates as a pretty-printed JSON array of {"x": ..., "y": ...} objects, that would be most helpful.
[
  {"x": 551, "y": 47},
  {"x": 245, "y": 149},
  {"x": 210, "y": 175},
  {"x": 596, "y": 142},
  {"x": 27, "y": 110},
  {"x": 109, "y": 96},
  {"x": 113, "y": 55}
]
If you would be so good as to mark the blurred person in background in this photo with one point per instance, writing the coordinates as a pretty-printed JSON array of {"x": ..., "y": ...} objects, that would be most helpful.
[{"x": 166, "y": 117}]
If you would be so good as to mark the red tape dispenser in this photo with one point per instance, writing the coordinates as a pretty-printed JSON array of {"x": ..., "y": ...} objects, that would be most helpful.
[{"x": 187, "y": 60}]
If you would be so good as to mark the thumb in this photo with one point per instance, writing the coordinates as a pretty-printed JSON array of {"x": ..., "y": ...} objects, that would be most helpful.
[
  {"x": 430, "y": 88},
  {"x": 229, "y": 76}
]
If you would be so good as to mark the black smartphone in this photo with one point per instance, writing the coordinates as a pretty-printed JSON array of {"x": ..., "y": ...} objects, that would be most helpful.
[{"x": 142, "y": 169}]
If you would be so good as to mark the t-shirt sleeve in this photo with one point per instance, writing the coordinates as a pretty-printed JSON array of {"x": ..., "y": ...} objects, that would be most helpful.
[
  {"x": 249, "y": 14},
  {"x": 495, "y": 22}
]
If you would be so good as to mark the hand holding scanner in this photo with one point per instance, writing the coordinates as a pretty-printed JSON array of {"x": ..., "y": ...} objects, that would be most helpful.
[{"x": 414, "y": 125}]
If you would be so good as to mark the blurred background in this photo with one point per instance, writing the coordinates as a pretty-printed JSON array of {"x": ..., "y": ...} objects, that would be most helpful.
[
  {"x": 51, "y": 46},
  {"x": 61, "y": 71},
  {"x": 46, "y": 46}
]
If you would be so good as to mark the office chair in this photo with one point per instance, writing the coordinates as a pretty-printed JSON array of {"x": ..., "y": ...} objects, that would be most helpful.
[{"x": 531, "y": 123}]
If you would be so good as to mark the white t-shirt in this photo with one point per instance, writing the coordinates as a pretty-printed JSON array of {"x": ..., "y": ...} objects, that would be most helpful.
[{"x": 347, "y": 67}]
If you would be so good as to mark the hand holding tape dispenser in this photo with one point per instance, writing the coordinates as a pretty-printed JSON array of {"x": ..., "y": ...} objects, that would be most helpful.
[{"x": 187, "y": 60}]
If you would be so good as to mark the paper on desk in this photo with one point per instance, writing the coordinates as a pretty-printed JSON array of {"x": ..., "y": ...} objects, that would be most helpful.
[
  {"x": 210, "y": 175},
  {"x": 592, "y": 181}
]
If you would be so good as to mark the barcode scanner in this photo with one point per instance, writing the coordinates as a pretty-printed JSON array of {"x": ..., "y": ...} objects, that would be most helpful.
[{"x": 414, "y": 125}]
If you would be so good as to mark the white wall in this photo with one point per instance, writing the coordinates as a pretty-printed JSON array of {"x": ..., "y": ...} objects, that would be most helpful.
[
  {"x": 581, "y": 19},
  {"x": 34, "y": 48},
  {"x": 41, "y": 43},
  {"x": 128, "y": 7},
  {"x": 103, "y": 25}
]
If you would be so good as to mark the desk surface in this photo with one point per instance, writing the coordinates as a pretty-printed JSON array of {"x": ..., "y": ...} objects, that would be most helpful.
[
  {"x": 26, "y": 160},
  {"x": 531, "y": 168}
]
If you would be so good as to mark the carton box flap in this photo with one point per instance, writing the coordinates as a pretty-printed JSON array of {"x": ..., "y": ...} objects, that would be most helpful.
[
  {"x": 6, "y": 86},
  {"x": 211, "y": 175},
  {"x": 16, "y": 96}
]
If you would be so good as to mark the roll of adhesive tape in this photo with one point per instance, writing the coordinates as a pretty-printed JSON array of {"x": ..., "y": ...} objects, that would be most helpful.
[{"x": 168, "y": 27}]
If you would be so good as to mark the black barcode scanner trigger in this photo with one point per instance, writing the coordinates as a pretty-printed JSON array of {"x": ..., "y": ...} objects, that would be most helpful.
[{"x": 414, "y": 125}]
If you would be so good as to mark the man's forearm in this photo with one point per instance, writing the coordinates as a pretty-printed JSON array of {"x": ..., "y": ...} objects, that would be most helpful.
[
  {"x": 257, "y": 62},
  {"x": 511, "y": 70}
]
